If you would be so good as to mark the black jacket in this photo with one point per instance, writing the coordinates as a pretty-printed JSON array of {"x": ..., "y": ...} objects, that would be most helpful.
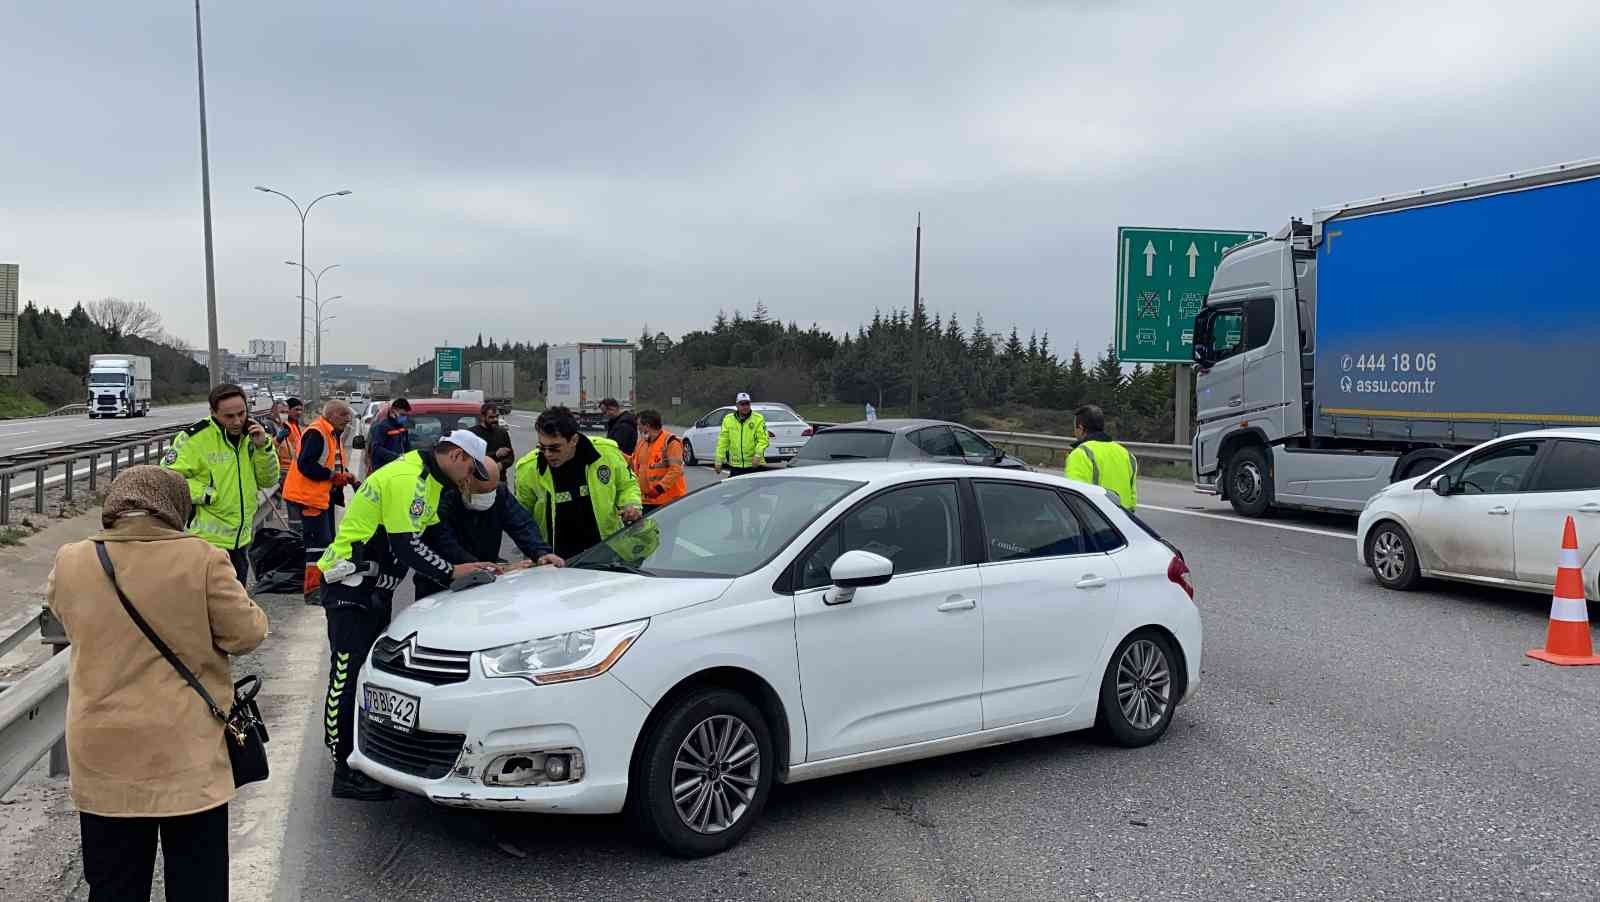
[
  {"x": 497, "y": 438},
  {"x": 624, "y": 430}
]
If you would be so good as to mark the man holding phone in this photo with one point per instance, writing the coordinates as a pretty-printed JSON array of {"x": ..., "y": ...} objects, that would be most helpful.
[{"x": 226, "y": 459}]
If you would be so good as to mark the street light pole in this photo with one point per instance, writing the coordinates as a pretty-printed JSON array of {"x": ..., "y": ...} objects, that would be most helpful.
[
  {"x": 316, "y": 282},
  {"x": 213, "y": 356},
  {"x": 304, "y": 386}
]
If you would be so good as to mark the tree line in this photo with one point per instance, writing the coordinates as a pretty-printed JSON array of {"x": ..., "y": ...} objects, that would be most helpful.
[
  {"x": 976, "y": 376},
  {"x": 53, "y": 352}
]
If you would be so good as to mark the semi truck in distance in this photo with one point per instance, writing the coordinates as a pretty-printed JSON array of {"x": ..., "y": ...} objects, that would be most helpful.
[
  {"x": 119, "y": 385},
  {"x": 1385, "y": 336},
  {"x": 580, "y": 376},
  {"x": 496, "y": 379}
]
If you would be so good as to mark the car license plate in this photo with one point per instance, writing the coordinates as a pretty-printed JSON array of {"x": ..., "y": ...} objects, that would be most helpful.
[
  {"x": 788, "y": 450},
  {"x": 391, "y": 708}
]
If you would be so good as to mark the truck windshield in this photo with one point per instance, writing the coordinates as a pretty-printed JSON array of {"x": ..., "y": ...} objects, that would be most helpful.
[{"x": 100, "y": 377}]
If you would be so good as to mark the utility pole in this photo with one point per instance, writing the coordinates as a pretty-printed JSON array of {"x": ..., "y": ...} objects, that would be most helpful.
[
  {"x": 213, "y": 357},
  {"x": 916, "y": 321}
]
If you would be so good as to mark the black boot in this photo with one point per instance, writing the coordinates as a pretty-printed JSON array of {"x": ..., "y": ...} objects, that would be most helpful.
[{"x": 349, "y": 784}]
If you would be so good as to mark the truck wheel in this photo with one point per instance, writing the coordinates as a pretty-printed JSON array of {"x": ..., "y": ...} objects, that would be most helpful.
[
  {"x": 1249, "y": 482},
  {"x": 1392, "y": 557},
  {"x": 1417, "y": 463}
]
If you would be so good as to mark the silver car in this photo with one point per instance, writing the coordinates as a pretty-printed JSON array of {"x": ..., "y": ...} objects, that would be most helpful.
[{"x": 925, "y": 440}]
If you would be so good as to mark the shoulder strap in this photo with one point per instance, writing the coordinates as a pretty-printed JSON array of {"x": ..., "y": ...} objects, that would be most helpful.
[{"x": 172, "y": 658}]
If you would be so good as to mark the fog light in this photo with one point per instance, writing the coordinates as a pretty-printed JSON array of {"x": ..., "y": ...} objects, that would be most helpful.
[{"x": 555, "y": 768}]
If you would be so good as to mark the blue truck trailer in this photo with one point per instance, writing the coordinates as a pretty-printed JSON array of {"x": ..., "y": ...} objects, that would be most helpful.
[{"x": 1384, "y": 336}]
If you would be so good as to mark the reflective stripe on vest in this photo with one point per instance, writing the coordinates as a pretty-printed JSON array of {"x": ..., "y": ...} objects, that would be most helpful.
[{"x": 1094, "y": 469}]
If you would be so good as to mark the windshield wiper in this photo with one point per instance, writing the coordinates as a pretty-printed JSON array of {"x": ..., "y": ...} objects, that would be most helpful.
[{"x": 612, "y": 566}]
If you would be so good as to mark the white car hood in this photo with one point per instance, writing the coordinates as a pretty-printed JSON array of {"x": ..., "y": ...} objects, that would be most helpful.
[{"x": 544, "y": 601}]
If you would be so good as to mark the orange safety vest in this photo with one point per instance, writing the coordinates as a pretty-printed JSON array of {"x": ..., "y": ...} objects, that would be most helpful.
[
  {"x": 289, "y": 448},
  {"x": 660, "y": 477},
  {"x": 315, "y": 494}
]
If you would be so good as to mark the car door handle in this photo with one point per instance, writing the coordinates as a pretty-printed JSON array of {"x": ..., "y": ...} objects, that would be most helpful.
[
  {"x": 1091, "y": 582},
  {"x": 1498, "y": 511},
  {"x": 1590, "y": 508},
  {"x": 958, "y": 604}
]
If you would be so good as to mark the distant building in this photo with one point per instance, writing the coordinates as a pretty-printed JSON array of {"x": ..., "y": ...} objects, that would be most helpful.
[{"x": 268, "y": 347}]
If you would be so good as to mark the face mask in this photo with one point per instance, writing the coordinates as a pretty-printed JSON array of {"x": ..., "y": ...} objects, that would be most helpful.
[{"x": 481, "y": 501}]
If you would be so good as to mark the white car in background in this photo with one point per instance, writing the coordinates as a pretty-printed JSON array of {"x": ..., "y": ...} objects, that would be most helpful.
[
  {"x": 787, "y": 433},
  {"x": 1493, "y": 515},
  {"x": 861, "y": 614}
]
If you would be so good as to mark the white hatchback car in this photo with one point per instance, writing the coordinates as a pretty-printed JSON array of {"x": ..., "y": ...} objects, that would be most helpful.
[
  {"x": 782, "y": 627},
  {"x": 787, "y": 433},
  {"x": 1492, "y": 515}
]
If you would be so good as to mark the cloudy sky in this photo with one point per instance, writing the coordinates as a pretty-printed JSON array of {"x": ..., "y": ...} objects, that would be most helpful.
[{"x": 563, "y": 171}]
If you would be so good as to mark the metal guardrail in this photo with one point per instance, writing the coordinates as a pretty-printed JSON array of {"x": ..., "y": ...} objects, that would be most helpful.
[
  {"x": 1142, "y": 450},
  {"x": 33, "y": 710},
  {"x": 145, "y": 447},
  {"x": 67, "y": 410}
]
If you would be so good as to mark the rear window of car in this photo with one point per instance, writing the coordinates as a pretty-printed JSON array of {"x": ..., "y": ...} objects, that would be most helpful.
[
  {"x": 772, "y": 415},
  {"x": 428, "y": 428},
  {"x": 847, "y": 444}
]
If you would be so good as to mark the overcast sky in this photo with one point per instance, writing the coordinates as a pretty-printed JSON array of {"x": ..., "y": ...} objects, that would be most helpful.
[{"x": 564, "y": 171}]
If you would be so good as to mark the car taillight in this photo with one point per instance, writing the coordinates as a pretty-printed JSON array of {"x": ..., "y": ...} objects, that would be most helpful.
[
  {"x": 1178, "y": 572},
  {"x": 806, "y": 432}
]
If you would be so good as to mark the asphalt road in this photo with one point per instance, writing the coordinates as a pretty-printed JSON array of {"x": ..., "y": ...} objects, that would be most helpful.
[
  {"x": 1347, "y": 743},
  {"x": 41, "y": 432}
]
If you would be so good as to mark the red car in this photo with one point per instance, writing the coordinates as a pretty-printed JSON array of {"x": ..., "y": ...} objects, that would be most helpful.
[{"x": 431, "y": 419}]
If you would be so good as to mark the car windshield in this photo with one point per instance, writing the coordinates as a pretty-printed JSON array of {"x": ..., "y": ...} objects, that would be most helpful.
[
  {"x": 426, "y": 428},
  {"x": 777, "y": 415},
  {"x": 727, "y": 530},
  {"x": 847, "y": 444}
]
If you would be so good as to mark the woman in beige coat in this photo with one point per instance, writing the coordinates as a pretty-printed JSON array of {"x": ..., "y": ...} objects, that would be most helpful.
[{"x": 146, "y": 754}]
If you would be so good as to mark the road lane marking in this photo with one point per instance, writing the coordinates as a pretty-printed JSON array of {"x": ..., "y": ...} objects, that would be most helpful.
[
  {"x": 31, "y": 447},
  {"x": 1284, "y": 526}
]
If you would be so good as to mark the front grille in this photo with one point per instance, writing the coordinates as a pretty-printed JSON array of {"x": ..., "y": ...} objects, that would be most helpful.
[
  {"x": 403, "y": 657},
  {"x": 107, "y": 400},
  {"x": 418, "y": 753}
]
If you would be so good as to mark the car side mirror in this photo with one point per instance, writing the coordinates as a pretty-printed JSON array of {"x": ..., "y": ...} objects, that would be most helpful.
[
  {"x": 857, "y": 570},
  {"x": 1442, "y": 486},
  {"x": 359, "y": 442}
]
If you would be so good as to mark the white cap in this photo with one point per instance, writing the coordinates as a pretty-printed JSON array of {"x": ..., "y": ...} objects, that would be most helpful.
[
  {"x": 476, "y": 448},
  {"x": 744, "y": 398}
]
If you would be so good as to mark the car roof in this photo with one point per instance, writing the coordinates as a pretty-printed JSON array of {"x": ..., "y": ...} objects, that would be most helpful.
[
  {"x": 1590, "y": 433},
  {"x": 441, "y": 405},
  {"x": 899, "y": 425},
  {"x": 878, "y": 473}
]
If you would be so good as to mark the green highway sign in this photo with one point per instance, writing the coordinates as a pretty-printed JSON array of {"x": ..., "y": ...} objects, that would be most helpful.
[
  {"x": 446, "y": 371},
  {"x": 1162, "y": 279}
]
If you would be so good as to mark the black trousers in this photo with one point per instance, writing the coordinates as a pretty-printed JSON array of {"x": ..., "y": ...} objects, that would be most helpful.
[
  {"x": 352, "y": 628},
  {"x": 241, "y": 564},
  {"x": 316, "y": 531},
  {"x": 119, "y": 856}
]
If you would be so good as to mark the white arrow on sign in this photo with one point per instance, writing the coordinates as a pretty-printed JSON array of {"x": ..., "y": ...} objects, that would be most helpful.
[
  {"x": 1192, "y": 253},
  {"x": 1150, "y": 259}
]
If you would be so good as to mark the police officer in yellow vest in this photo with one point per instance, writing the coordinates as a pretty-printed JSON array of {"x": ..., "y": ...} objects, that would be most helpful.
[
  {"x": 227, "y": 459},
  {"x": 315, "y": 485},
  {"x": 742, "y": 440},
  {"x": 1100, "y": 461},
  {"x": 378, "y": 542},
  {"x": 578, "y": 489}
]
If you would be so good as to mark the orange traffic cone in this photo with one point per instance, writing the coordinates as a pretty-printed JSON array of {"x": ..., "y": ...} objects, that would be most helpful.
[{"x": 1568, "y": 641}]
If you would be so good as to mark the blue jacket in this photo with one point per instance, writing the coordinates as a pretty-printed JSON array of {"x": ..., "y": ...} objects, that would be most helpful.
[
  {"x": 388, "y": 442},
  {"x": 479, "y": 533}
]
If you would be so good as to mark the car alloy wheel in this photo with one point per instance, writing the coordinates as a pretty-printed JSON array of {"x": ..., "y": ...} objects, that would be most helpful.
[
  {"x": 688, "y": 454},
  {"x": 715, "y": 774},
  {"x": 703, "y": 772},
  {"x": 1140, "y": 690},
  {"x": 1144, "y": 684}
]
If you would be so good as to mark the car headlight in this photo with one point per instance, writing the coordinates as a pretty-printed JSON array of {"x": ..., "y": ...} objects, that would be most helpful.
[{"x": 564, "y": 657}]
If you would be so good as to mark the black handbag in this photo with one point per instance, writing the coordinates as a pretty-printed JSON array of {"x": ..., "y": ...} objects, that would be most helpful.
[{"x": 244, "y": 733}]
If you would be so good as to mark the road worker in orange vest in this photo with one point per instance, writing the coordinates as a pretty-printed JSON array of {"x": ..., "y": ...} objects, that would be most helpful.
[
  {"x": 658, "y": 462},
  {"x": 316, "y": 484}
]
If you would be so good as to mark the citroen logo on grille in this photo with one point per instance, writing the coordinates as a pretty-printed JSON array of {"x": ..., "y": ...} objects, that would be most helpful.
[{"x": 401, "y": 650}]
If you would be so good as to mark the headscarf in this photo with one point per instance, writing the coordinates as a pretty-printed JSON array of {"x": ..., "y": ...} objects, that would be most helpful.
[{"x": 153, "y": 491}]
